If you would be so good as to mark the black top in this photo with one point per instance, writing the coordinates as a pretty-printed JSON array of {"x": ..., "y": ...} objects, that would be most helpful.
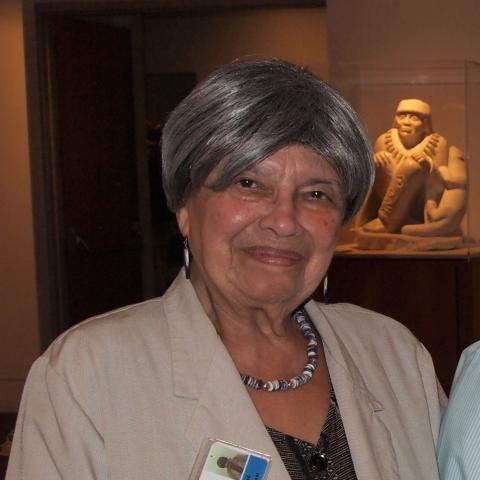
[{"x": 329, "y": 459}]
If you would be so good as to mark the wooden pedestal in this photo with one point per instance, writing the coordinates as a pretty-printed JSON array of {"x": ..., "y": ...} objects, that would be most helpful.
[{"x": 436, "y": 297}]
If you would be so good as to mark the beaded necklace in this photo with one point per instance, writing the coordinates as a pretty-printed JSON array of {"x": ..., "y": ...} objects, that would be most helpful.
[{"x": 312, "y": 357}]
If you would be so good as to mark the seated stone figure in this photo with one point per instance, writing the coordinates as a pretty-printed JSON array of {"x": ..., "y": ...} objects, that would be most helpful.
[{"x": 420, "y": 184}]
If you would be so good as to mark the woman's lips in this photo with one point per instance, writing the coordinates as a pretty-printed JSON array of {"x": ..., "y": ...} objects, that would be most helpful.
[{"x": 274, "y": 256}]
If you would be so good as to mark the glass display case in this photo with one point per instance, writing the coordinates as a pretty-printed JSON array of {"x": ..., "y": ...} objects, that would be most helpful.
[{"x": 451, "y": 91}]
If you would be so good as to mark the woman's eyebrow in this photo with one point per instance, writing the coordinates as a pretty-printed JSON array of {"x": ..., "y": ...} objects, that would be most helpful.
[{"x": 322, "y": 181}]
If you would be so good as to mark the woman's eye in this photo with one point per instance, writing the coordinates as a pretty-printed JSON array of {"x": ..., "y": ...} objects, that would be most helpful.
[
  {"x": 247, "y": 183},
  {"x": 318, "y": 195}
]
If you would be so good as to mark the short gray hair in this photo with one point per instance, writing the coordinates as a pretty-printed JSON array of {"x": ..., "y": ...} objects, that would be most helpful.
[{"x": 248, "y": 110}]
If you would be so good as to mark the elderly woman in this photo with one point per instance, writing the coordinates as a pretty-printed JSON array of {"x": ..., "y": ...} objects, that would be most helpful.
[{"x": 262, "y": 165}]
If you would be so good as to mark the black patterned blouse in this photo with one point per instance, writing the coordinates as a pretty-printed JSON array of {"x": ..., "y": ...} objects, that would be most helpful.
[{"x": 329, "y": 459}]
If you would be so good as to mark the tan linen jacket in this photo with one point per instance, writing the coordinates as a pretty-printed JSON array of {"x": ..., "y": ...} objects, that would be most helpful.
[{"x": 132, "y": 394}]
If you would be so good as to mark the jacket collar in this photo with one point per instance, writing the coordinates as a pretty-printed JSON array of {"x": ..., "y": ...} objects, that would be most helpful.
[
  {"x": 204, "y": 371},
  {"x": 368, "y": 437},
  {"x": 193, "y": 338}
]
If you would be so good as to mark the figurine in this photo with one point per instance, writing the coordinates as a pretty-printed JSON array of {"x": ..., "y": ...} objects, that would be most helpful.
[{"x": 420, "y": 183}]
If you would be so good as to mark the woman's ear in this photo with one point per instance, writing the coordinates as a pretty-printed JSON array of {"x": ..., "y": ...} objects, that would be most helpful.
[{"x": 183, "y": 221}]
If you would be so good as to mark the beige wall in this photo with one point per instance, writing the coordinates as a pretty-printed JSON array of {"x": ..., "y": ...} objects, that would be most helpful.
[
  {"x": 376, "y": 31},
  {"x": 19, "y": 343},
  {"x": 202, "y": 42}
]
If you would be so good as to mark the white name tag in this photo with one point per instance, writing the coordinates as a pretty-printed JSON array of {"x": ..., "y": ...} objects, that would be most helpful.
[{"x": 220, "y": 460}]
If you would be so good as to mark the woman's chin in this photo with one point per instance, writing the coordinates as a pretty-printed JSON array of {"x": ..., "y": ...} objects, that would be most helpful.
[{"x": 271, "y": 291}]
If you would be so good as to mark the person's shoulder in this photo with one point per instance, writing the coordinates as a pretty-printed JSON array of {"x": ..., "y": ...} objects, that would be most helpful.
[
  {"x": 120, "y": 320},
  {"x": 469, "y": 360},
  {"x": 128, "y": 335},
  {"x": 355, "y": 316},
  {"x": 109, "y": 335},
  {"x": 381, "y": 348},
  {"x": 366, "y": 326},
  {"x": 472, "y": 351},
  {"x": 382, "y": 139},
  {"x": 438, "y": 139}
]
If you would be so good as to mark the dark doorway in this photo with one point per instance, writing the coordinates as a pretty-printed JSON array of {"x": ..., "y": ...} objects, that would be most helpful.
[{"x": 97, "y": 206}]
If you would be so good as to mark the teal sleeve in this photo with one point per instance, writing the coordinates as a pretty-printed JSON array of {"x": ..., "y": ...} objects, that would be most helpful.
[{"x": 459, "y": 439}]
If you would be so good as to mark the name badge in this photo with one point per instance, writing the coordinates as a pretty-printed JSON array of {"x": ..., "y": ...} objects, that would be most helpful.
[{"x": 220, "y": 460}]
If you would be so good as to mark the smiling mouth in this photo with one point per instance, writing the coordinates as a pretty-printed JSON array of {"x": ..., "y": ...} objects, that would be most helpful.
[{"x": 274, "y": 256}]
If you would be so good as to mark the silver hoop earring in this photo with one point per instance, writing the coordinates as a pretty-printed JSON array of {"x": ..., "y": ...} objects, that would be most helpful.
[
  {"x": 325, "y": 289},
  {"x": 186, "y": 258}
]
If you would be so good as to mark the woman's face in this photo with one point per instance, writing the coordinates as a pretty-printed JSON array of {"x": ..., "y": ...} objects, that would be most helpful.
[{"x": 268, "y": 237}]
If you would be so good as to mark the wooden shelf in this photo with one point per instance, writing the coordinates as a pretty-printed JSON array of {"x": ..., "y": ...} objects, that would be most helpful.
[{"x": 436, "y": 296}]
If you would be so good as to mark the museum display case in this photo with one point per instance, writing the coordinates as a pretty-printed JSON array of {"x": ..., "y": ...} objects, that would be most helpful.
[{"x": 451, "y": 92}]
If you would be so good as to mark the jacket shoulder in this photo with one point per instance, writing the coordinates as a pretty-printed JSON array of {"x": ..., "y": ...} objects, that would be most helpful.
[
  {"x": 110, "y": 336},
  {"x": 362, "y": 322},
  {"x": 377, "y": 348},
  {"x": 369, "y": 337}
]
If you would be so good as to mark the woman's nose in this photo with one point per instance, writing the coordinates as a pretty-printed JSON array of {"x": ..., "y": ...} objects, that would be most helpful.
[{"x": 281, "y": 217}]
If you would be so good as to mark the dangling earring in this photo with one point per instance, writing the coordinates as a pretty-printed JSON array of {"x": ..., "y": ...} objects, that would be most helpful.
[
  {"x": 325, "y": 289},
  {"x": 186, "y": 258}
]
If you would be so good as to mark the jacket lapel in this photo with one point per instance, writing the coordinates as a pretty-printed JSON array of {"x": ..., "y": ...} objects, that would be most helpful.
[
  {"x": 204, "y": 371},
  {"x": 225, "y": 411},
  {"x": 368, "y": 437}
]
